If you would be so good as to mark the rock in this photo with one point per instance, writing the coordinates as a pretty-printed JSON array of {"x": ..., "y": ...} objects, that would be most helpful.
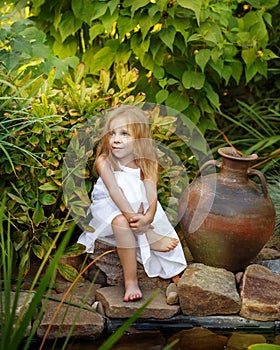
[
  {"x": 267, "y": 254},
  {"x": 171, "y": 293},
  {"x": 88, "y": 324},
  {"x": 23, "y": 303},
  {"x": 110, "y": 265},
  {"x": 238, "y": 277},
  {"x": 240, "y": 341},
  {"x": 85, "y": 292},
  {"x": 272, "y": 265},
  {"x": 260, "y": 294},
  {"x": 114, "y": 306},
  {"x": 198, "y": 339},
  {"x": 205, "y": 290}
]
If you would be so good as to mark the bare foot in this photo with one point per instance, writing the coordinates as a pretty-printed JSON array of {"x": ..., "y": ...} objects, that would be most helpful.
[
  {"x": 132, "y": 291},
  {"x": 161, "y": 243}
]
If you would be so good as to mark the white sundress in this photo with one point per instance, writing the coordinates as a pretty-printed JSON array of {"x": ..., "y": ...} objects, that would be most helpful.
[{"x": 104, "y": 210}]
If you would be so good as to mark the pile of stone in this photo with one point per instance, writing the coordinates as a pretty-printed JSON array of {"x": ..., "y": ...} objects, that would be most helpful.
[{"x": 203, "y": 294}]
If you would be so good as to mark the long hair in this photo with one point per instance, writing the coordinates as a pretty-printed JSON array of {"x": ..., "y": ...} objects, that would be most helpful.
[{"x": 145, "y": 150}]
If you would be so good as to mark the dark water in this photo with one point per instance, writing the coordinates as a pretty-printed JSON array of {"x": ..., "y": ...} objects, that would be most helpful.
[{"x": 196, "y": 338}]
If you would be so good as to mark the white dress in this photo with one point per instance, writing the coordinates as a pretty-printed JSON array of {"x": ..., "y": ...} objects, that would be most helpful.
[{"x": 104, "y": 210}]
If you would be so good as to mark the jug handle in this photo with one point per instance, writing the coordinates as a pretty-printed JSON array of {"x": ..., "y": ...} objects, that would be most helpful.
[
  {"x": 207, "y": 164},
  {"x": 259, "y": 174}
]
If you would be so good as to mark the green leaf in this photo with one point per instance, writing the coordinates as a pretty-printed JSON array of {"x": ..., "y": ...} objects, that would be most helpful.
[
  {"x": 68, "y": 272},
  {"x": 135, "y": 4},
  {"x": 269, "y": 55},
  {"x": 237, "y": 69},
  {"x": 226, "y": 73},
  {"x": 69, "y": 25},
  {"x": 103, "y": 59},
  {"x": 74, "y": 250},
  {"x": 38, "y": 250},
  {"x": 25, "y": 262},
  {"x": 177, "y": 101},
  {"x": 79, "y": 208},
  {"x": 194, "y": 114},
  {"x": 84, "y": 9},
  {"x": 194, "y": 5},
  {"x": 167, "y": 35},
  {"x": 47, "y": 199},
  {"x": 146, "y": 22},
  {"x": 192, "y": 79},
  {"x": 49, "y": 186},
  {"x": 47, "y": 242},
  {"x": 212, "y": 33},
  {"x": 108, "y": 20},
  {"x": 38, "y": 215},
  {"x": 212, "y": 96},
  {"x": 249, "y": 56},
  {"x": 95, "y": 30},
  {"x": 161, "y": 96},
  {"x": 16, "y": 198},
  {"x": 202, "y": 58}
]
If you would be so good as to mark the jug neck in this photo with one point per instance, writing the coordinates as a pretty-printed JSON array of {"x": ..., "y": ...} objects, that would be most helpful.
[{"x": 234, "y": 165}]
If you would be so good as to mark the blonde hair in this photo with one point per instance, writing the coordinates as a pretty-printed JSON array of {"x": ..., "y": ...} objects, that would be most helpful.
[{"x": 145, "y": 150}]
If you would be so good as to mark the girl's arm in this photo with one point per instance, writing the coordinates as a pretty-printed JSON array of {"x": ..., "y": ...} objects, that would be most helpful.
[
  {"x": 105, "y": 171},
  {"x": 151, "y": 193},
  {"x": 142, "y": 222}
]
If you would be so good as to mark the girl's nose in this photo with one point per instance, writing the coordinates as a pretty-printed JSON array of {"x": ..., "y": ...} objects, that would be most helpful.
[{"x": 116, "y": 138}]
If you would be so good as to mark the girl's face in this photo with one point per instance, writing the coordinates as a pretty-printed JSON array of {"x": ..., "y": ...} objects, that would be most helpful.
[{"x": 121, "y": 142}]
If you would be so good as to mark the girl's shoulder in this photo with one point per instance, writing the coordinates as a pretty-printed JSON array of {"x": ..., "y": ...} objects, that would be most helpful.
[
  {"x": 100, "y": 162},
  {"x": 105, "y": 162}
]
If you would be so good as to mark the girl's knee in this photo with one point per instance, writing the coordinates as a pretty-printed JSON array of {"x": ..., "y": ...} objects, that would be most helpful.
[{"x": 120, "y": 221}]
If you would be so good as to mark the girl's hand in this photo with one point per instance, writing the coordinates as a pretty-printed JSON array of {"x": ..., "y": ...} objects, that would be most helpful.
[{"x": 140, "y": 223}]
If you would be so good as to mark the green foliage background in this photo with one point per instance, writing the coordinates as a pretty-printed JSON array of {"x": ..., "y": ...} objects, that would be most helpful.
[{"x": 63, "y": 62}]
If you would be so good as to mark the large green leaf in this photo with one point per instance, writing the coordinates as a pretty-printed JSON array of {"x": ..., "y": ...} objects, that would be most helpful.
[
  {"x": 103, "y": 59},
  {"x": 191, "y": 79},
  {"x": 177, "y": 101},
  {"x": 194, "y": 5},
  {"x": 249, "y": 55},
  {"x": 84, "y": 9},
  {"x": 167, "y": 35},
  {"x": 202, "y": 58},
  {"x": 69, "y": 25}
]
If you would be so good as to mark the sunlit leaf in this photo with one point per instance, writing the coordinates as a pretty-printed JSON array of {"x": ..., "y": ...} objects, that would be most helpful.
[
  {"x": 47, "y": 199},
  {"x": 68, "y": 272},
  {"x": 74, "y": 250},
  {"x": 38, "y": 250}
]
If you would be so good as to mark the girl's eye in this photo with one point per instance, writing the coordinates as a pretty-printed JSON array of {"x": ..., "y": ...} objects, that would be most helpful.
[
  {"x": 125, "y": 133},
  {"x": 111, "y": 133}
]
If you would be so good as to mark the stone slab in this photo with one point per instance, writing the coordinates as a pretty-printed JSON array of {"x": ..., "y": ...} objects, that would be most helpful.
[
  {"x": 114, "y": 306},
  {"x": 87, "y": 324}
]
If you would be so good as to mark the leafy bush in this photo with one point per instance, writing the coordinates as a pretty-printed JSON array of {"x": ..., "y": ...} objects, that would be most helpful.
[
  {"x": 38, "y": 118},
  {"x": 187, "y": 53}
]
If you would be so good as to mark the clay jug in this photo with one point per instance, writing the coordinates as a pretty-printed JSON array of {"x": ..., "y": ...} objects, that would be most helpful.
[{"x": 227, "y": 218}]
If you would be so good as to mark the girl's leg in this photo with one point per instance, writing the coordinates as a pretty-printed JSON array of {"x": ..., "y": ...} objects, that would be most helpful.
[
  {"x": 161, "y": 243},
  {"x": 158, "y": 242},
  {"x": 126, "y": 246}
]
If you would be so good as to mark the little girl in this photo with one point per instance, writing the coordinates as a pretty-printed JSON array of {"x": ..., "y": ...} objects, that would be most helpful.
[{"x": 125, "y": 210}]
